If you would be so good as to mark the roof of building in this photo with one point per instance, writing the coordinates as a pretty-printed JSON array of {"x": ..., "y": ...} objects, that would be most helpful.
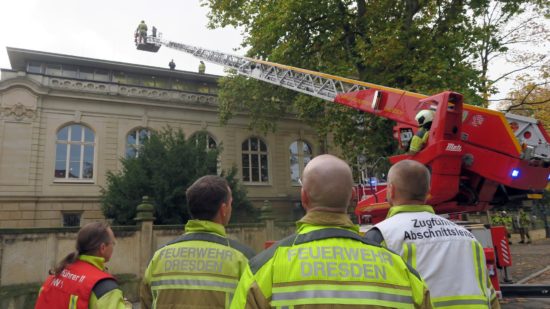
[{"x": 19, "y": 57}]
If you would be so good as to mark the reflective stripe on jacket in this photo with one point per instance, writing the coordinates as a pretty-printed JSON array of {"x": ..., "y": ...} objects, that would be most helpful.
[
  {"x": 329, "y": 264},
  {"x": 200, "y": 269},
  {"x": 445, "y": 254},
  {"x": 71, "y": 289},
  {"x": 419, "y": 140}
]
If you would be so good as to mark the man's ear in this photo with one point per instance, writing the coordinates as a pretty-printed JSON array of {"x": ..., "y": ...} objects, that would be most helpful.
[{"x": 305, "y": 199}]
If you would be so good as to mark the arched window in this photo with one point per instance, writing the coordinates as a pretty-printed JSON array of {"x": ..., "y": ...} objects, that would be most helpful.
[
  {"x": 254, "y": 160},
  {"x": 300, "y": 155},
  {"x": 74, "y": 153},
  {"x": 209, "y": 139},
  {"x": 134, "y": 141}
]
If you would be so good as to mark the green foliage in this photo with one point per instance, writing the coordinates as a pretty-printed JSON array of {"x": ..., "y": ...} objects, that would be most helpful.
[
  {"x": 420, "y": 46},
  {"x": 167, "y": 164},
  {"x": 243, "y": 211}
]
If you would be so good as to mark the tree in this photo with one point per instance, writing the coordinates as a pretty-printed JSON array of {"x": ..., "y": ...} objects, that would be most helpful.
[
  {"x": 165, "y": 166},
  {"x": 420, "y": 46},
  {"x": 503, "y": 27}
]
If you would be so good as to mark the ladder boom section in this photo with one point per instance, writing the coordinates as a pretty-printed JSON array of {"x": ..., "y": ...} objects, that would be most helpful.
[{"x": 320, "y": 85}]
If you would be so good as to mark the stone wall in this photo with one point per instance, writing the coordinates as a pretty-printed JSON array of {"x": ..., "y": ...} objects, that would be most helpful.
[{"x": 26, "y": 254}]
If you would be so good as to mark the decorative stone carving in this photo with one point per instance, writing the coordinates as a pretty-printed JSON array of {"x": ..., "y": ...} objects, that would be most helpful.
[
  {"x": 124, "y": 90},
  {"x": 18, "y": 112}
]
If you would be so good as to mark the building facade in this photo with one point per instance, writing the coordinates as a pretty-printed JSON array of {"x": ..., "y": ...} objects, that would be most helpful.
[{"x": 65, "y": 121}]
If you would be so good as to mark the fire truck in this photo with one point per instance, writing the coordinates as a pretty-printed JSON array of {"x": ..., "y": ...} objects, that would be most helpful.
[{"x": 478, "y": 157}]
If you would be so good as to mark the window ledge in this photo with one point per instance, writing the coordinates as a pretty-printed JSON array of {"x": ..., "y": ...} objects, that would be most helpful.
[
  {"x": 73, "y": 181},
  {"x": 258, "y": 184}
]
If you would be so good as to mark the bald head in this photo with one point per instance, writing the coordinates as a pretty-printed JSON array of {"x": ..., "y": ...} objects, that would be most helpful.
[
  {"x": 327, "y": 183},
  {"x": 410, "y": 182}
]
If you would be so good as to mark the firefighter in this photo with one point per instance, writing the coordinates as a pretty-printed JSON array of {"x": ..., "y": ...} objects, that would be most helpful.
[
  {"x": 172, "y": 65},
  {"x": 419, "y": 140},
  {"x": 202, "y": 67},
  {"x": 446, "y": 255},
  {"x": 201, "y": 268},
  {"x": 503, "y": 219},
  {"x": 522, "y": 222},
  {"x": 80, "y": 279},
  {"x": 142, "y": 31},
  {"x": 326, "y": 263}
]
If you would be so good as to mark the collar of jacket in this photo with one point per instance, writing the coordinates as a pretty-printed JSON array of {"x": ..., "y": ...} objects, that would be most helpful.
[
  {"x": 394, "y": 210},
  {"x": 97, "y": 261},
  {"x": 326, "y": 219},
  {"x": 194, "y": 226}
]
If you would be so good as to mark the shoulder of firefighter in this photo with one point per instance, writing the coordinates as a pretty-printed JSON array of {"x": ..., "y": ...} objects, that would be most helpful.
[
  {"x": 419, "y": 140},
  {"x": 82, "y": 284},
  {"x": 440, "y": 249},
  {"x": 199, "y": 269},
  {"x": 331, "y": 266}
]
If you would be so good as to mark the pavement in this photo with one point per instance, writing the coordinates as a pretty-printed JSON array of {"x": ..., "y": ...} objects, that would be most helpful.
[{"x": 530, "y": 265}]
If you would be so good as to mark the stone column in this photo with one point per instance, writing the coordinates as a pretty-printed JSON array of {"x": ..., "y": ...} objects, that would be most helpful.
[
  {"x": 266, "y": 215},
  {"x": 144, "y": 218}
]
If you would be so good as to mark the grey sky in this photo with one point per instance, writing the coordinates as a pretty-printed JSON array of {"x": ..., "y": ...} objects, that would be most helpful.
[{"x": 104, "y": 30}]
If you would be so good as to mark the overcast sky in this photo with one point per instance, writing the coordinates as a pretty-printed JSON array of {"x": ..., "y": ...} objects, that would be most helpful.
[{"x": 104, "y": 30}]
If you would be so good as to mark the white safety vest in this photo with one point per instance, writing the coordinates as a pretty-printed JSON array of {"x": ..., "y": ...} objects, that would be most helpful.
[{"x": 446, "y": 255}]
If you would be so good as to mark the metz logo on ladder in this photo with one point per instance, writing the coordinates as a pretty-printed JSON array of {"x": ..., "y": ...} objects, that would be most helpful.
[{"x": 453, "y": 147}]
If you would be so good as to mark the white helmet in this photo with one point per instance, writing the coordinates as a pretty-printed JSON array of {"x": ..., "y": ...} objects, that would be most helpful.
[{"x": 424, "y": 116}]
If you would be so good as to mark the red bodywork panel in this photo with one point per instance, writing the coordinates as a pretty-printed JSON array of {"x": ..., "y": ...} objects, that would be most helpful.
[{"x": 471, "y": 151}]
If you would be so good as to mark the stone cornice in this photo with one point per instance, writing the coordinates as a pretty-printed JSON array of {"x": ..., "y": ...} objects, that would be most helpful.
[{"x": 131, "y": 91}]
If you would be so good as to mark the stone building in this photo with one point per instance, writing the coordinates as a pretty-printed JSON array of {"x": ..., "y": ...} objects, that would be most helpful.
[{"x": 65, "y": 121}]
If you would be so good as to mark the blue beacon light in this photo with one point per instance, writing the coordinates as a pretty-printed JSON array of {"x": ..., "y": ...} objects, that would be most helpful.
[{"x": 515, "y": 173}]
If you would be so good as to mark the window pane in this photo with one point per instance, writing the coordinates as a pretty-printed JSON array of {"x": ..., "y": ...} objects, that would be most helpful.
[
  {"x": 246, "y": 174},
  {"x": 131, "y": 139},
  {"x": 53, "y": 69},
  {"x": 294, "y": 172},
  {"x": 101, "y": 75},
  {"x": 74, "y": 170},
  {"x": 88, "y": 171},
  {"x": 255, "y": 175},
  {"x": 211, "y": 143},
  {"x": 60, "y": 169},
  {"x": 246, "y": 170},
  {"x": 255, "y": 168},
  {"x": 294, "y": 148},
  {"x": 306, "y": 149},
  {"x": 70, "y": 219},
  {"x": 69, "y": 71},
  {"x": 34, "y": 67},
  {"x": 61, "y": 152},
  {"x": 263, "y": 147},
  {"x": 245, "y": 145},
  {"x": 63, "y": 134},
  {"x": 89, "y": 154},
  {"x": 86, "y": 73},
  {"x": 75, "y": 153},
  {"x": 254, "y": 144},
  {"x": 143, "y": 135},
  {"x": 131, "y": 152},
  {"x": 263, "y": 168},
  {"x": 119, "y": 77},
  {"x": 76, "y": 132},
  {"x": 88, "y": 135}
]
